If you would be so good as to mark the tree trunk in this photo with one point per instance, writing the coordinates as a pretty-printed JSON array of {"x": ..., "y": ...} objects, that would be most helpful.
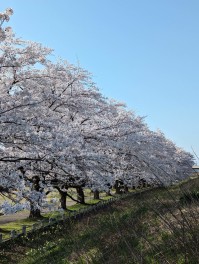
[
  {"x": 108, "y": 193},
  {"x": 34, "y": 212},
  {"x": 80, "y": 195},
  {"x": 117, "y": 187},
  {"x": 126, "y": 189},
  {"x": 63, "y": 195},
  {"x": 63, "y": 200},
  {"x": 96, "y": 195}
]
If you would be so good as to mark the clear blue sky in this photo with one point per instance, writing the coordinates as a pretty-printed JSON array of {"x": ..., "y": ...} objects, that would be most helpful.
[{"x": 142, "y": 52}]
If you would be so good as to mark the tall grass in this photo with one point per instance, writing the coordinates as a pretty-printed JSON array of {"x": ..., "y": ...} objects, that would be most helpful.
[{"x": 157, "y": 226}]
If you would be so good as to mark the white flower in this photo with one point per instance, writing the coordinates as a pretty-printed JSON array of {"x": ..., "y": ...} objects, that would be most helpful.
[
  {"x": 9, "y": 11},
  {"x": 8, "y": 29},
  {"x": 6, "y": 17},
  {"x": 2, "y": 35}
]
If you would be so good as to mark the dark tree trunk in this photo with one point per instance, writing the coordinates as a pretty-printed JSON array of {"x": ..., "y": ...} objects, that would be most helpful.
[
  {"x": 80, "y": 195},
  {"x": 96, "y": 195},
  {"x": 117, "y": 187},
  {"x": 108, "y": 193},
  {"x": 34, "y": 212},
  {"x": 126, "y": 189},
  {"x": 63, "y": 195},
  {"x": 117, "y": 190},
  {"x": 63, "y": 200}
]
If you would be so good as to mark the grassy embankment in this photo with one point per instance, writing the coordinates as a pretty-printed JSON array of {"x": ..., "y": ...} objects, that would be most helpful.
[
  {"x": 158, "y": 226},
  {"x": 14, "y": 223}
]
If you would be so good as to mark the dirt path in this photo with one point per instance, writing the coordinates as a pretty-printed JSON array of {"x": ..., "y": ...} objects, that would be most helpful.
[{"x": 4, "y": 219}]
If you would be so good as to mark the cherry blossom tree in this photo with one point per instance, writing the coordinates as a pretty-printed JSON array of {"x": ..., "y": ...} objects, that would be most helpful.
[{"x": 58, "y": 131}]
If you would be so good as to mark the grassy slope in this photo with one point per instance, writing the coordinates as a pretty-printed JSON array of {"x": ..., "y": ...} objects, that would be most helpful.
[
  {"x": 153, "y": 227},
  {"x": 5, "y": 228}
]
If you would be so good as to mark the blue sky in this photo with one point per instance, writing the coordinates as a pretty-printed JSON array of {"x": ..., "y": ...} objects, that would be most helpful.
[{"x": 144, "y": 53}]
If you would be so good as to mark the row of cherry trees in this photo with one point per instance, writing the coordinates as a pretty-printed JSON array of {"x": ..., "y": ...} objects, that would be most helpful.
[{"x": 58, "y": 131}]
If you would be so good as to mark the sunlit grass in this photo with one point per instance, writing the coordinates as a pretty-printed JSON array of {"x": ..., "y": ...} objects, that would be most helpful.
[
  {"x": 149, "y": 227},
  {"x": 131, "y": 232},
  {"x": 17, "y": 225}
]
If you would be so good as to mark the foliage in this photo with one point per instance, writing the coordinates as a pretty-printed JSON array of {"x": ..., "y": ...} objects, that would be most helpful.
[
  {"x": 57, "y": 131},
  {"x": 190, "y": 197}
]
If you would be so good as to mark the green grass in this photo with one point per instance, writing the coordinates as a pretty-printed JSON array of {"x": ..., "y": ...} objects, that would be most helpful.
[
  {"x": 106, "y": 197},
  {"x": 6, "y": 228},
  {"x": 17, "y": 225},
  {"x": 152, "y": 227}
]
